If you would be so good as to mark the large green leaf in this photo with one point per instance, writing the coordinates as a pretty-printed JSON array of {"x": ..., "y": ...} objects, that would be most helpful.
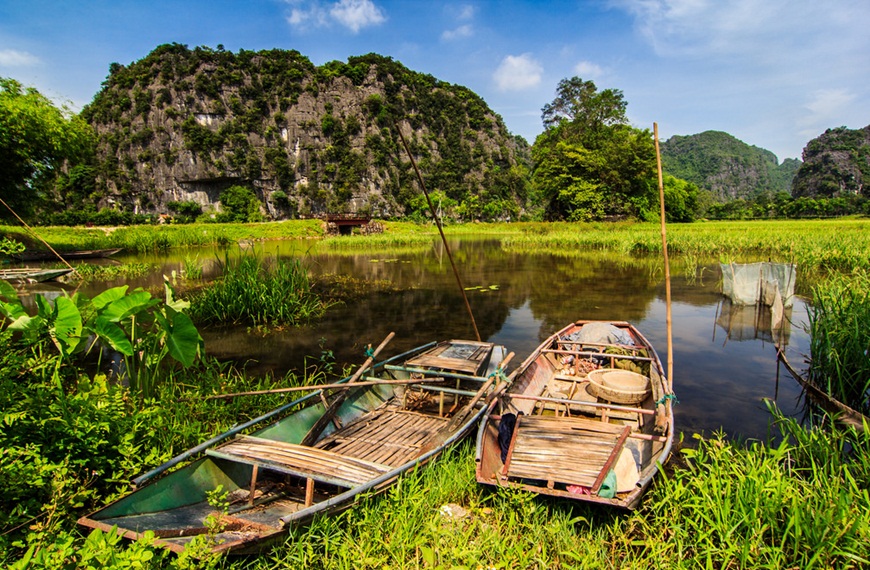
[
  {"x": 171, "y": 301},
  {"x": 67, "y": 325},
  {"x": 8, "y": 292},
  {"x": 114, "y": 335},
  {"x": 182, "y": 339},
  {"x": 25, "y": 323},
  {"x": 123, "y": 307},
  {"x": 108, "y": 296}
]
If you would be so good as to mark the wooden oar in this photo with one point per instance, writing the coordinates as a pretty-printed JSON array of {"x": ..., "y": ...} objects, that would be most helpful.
[
  {"x": 330, "y": 412},
  {"x": 343, "y": 385}
]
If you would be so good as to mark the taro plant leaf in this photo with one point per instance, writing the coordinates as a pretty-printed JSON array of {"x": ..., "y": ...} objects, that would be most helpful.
[
  {"x": 67, "y": 328},
  {"x": 7, "y": 291},
  {"x": 114, "y": 335},
  {"x": 181, "y": 337},
  {"x": 12, "y": 310},
  {"x": 123, "y": 307},
  {"x": 108, "y": 296},
  {"x": 171, "y": 301}
]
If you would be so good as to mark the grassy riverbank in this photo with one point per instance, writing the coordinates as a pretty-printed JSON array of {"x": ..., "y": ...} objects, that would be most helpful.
[
  {"x": 799, "y": 503},
  {"x": 70, "y": 440},
  {"x": 841, "y": 245}
]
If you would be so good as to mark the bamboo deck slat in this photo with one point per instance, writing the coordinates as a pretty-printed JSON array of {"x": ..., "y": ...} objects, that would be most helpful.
[
  {"x": 300, "y": 460},
  {"x": 571, "y": 451},
  {"x": 391, "y": 437}
]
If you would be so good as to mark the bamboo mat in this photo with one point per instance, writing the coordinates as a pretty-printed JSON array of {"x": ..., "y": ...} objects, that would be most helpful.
[
  {"x": 572, "y": 451},
  {"x": 389, "y": 437}
]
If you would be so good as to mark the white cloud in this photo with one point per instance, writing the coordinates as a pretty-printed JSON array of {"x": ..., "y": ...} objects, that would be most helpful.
[
  {"x": 588, "y": 70},
  {"x": 771, "y": 30},
  {"x": 827, "y": 109},
  {"x": 466, "y": 12},
  {"x": 352, "y": 14},
  {"x": 15, "y": 58},
  {"x": 357, "y": 14},
  {"x": 464, "y": 31},
  {"x": 518, "y": 72}
]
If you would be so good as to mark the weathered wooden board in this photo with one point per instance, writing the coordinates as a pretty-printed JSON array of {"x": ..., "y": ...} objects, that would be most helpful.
[{"x": 300, "y": 460}]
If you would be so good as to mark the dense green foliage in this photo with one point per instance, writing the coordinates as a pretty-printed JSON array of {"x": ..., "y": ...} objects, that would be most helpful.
[
  {"x": 239, "y": 205},
  {"x": 259, "y": 292},
  {"x": 725, "y": 166},
  {"x": 36, "y": 139},
  {"x": 589, "y": 163},
  {"x": 836, "y": 164},
  {"x": 781, "y": 205},
  {"x": 840, "y": 339}
]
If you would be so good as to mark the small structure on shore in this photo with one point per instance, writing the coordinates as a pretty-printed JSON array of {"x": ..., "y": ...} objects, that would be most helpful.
[{"x": 344, "y": 224}]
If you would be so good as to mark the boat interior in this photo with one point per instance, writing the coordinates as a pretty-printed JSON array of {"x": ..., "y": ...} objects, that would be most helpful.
[{"x": 558, "y": 432}]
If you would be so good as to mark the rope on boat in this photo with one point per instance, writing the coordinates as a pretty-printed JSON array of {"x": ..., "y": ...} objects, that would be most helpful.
[{"x": 666, "y": 397}]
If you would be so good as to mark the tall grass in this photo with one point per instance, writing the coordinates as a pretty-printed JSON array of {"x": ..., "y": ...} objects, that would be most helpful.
[
  {"x": 798, "y": 503},
  {"x": 149, "y": 239},
  {"x": 825, "y": 246},
  {"x": 839, "y": 326},
  {"x": 258, "y": 291}
]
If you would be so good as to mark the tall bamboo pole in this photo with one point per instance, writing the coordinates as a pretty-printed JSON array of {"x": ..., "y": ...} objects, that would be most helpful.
[
  {"x": 440, "y": 231},
  {"x": 23, "y": 223},
  {"x": 667, "y": 263}
]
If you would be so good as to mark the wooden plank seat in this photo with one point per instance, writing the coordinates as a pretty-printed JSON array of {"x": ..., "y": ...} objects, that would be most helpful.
[
  {"x": 390, "y": 437},
  {"x": 299, "y": 460},
  {"x": 571, "y": 451}
]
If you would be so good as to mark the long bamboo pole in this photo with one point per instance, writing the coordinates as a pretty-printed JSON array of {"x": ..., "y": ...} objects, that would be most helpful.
[
  {"x": 342, "y": 386},
  {"x": 440, "y": 231},
  {"x": 23, "y": 223},
  {"x": 667, "y": 263}
]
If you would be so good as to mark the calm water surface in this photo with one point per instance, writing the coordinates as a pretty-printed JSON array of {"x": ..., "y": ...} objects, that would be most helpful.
[{"x": 724, "y": 361}]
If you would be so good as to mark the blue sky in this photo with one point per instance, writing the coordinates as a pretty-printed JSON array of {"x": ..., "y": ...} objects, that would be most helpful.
[{"x": 773, "y": 73}]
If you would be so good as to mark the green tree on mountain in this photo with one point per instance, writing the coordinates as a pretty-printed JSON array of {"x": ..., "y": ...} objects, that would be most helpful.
[
  {"x": 589, "y": 162},
  {"x": 36, "y": 139}
]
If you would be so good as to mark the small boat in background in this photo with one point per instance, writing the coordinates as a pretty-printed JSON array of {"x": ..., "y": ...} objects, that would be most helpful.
[
  {"x": 32, "y": 274},
  {"x": 319, "y": 456},
  {"x": 79, "y": 254},
  {"x": 587, "y": 417}
]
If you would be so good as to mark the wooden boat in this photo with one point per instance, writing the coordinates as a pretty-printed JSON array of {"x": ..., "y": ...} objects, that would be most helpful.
[
  {"x": 32, "y": 274},
  {"x": 840, "y": 412},
  {"x": 78, "y": 254},
  {"x": 587, "y": 417},
  {"x": 287, "y": 471}
]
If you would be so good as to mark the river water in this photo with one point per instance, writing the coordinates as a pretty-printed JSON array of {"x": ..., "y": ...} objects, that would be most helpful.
[{"x": 725, "y": 364}]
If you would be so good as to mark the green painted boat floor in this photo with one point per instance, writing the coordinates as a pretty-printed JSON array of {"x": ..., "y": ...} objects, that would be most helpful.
[
  {"x": 188, "y": 518},
  {"x": 191, "y": 517}
]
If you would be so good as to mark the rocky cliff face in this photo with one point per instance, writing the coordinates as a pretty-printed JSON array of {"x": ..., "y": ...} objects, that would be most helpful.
[
  {"x": 836, "y": 164},
  {"x": 183, "y": 125},
  {"x": 726, "y": 166}
]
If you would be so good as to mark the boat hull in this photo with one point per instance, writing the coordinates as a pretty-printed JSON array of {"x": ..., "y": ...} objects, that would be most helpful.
[
  {"x": 276, "y": 483},
  {"x": 556, "y": 431}
]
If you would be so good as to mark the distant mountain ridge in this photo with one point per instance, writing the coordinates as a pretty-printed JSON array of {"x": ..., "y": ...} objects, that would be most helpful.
[
  {"x": 725, "y": 166},
  {"x": 185, "y": 124}
]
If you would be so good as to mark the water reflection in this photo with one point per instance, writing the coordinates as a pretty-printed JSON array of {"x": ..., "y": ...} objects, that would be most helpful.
[{"x": 520, "y": 298}]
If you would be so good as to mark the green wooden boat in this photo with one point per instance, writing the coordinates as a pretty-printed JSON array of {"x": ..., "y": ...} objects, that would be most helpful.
[
  {"x": 316, "y": 454},
  {"x": 32, "y": 274}
]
